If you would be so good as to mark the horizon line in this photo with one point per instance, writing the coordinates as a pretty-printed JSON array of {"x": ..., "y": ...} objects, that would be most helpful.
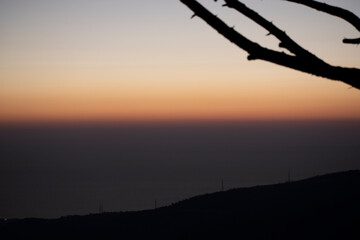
[{"x": 174, "y": 121}]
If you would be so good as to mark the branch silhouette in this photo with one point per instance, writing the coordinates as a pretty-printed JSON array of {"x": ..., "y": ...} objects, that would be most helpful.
[
  {"x": 300, "y": 59},
  {"x": 335, "y": 11}
]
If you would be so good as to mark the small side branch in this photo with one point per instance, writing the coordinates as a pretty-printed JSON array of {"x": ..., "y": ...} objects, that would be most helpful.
[
  {"x": 335, "y": 11},
  {"x": 351, "y": 40}
]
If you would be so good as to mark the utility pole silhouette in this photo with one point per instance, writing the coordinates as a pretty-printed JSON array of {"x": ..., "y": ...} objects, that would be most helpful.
[
  {"x": 101, "y": 208},
  {"x": 289, "y": 179},
  {"x": 155, "y": 204},
  {"x": 222, "y": 184}
]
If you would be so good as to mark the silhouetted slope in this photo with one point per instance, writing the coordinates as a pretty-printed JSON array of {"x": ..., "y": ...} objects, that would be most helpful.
[{"x": 324, "y": 207}]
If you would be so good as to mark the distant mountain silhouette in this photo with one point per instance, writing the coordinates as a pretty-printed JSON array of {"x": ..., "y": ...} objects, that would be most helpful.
[{"x": 322, "y": 207}]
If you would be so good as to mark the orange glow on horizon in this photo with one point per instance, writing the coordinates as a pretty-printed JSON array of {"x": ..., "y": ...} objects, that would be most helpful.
[
  {"x": 95, "y": 96},
  {"x": 172, "y": 103}
]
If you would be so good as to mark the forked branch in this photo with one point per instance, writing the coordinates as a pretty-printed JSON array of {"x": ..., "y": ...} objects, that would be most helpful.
[{"x": 301, "y": 60}]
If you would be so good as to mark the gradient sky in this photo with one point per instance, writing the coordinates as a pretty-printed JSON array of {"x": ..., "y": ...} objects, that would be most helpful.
[{"x": 146, "y": 60}]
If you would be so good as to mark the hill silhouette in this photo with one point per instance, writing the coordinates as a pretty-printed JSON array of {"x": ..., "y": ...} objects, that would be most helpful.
[{"x": 322, "y": 207}]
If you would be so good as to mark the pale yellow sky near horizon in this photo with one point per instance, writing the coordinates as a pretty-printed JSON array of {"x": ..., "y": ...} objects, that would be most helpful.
[{"x": 136, "y": 60}]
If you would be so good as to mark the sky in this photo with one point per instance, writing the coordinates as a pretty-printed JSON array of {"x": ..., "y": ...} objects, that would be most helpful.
[{"x": 92, "y": 60}]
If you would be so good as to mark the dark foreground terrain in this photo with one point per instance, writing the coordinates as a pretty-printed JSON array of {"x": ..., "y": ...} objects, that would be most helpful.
[{"x": 323, "y": 207}]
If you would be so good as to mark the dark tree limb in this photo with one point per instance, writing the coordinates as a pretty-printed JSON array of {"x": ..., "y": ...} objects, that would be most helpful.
[
  {"x": 285, "y": 40},
  {"x": 302, "y": 60},
  {"x": 352, "y": 41},
  {"x": 335, "y": 11}
]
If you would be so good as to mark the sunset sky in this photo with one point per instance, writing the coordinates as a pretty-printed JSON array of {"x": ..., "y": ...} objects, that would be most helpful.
[{"x": 111, "y": 60}]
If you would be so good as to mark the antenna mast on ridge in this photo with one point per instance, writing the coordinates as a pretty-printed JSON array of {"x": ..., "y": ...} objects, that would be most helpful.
[
  {"x": 101, "y": 208},
  {"x": 289, "y": 179}
]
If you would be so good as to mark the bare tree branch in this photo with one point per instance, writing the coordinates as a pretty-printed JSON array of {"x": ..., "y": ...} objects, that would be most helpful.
[
  {"x": 335, "y": 11},
  {"x": 285, "y": 40},
  {"x": 352, "y": 41},
  {"x": 302, "y": 60}
]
